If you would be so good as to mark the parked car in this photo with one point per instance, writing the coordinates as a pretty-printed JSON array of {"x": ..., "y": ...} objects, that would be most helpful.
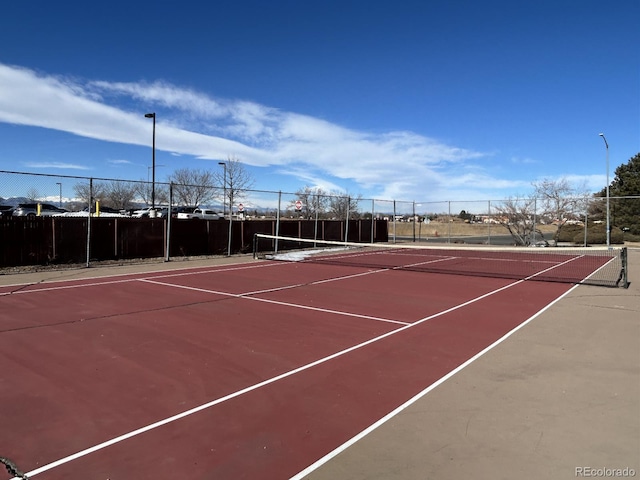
[
  {"x": 103, "y": 210},
  {"x": 31, "y": 210},
  {"x": 6, "y": 210},
  {"x": 164, "y": 211},
  {"x": 201, "y": 213},
  {"x": 141, "y": 213}
]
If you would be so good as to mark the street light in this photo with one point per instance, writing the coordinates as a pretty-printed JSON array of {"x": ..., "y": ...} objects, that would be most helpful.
[
  {"x": 153, "y": 161},
  {"x": 224, "y": 185},
  {"x": 149, "y": 169},
  {"x": 608, "y": 224},
  {"x": 60, "y": 185}
]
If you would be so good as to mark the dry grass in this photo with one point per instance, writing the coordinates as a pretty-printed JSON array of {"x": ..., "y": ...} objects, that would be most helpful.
[{"x": 456, "y": 229}]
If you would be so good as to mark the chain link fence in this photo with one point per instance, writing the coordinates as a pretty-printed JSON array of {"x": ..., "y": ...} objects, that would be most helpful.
[{"x": 47, "y": 219}]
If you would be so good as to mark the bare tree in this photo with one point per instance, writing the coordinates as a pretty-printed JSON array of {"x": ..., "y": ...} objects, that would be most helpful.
[
  {"x": 234, "y": 179},
  {"x": 342, "y": 204},
  {"x": 193, "y": 187},
  {"x": 518, "y": 215},
  {"x": 120, "y": 194},
  {"x": 32, "y": 194},
  {"x": 144, "y": 190},
  {"x": 314, "y": 201},
  {"x": 559, "y": 202},
  {"x": 88, "y": 194}
]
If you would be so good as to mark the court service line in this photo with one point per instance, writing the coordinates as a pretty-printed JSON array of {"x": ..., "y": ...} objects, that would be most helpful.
[
  {"x": 255, "y": 386},
  {"x": 247, "y": 296},
  {"x": 264, "y": 383}
]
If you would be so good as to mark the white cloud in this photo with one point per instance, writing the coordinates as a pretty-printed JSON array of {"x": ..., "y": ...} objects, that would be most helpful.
[
  {"x": 58, "y": 165},
  {"x": 394, "y": 164},
  {"x": 523, "y": 161}
]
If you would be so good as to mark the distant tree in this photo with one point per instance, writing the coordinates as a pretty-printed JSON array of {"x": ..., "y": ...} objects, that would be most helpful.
[
  {"x": 144, "y": 190},
  {"x": 464, "y": 215},
  {"x": 193, "y": 187},
  {"x": 559, "y": 202},
  {"x": 120, "y": 194},
  {"x": 234, "y": 179},
  {"x": 624, "y": 212},
  {"x": 517, "y": 215},
  {"x": 32, "y": 194},
  {"x": 341, "y": 204},
  {"x": 87, "y": 193},
  {"x": 314, "y": 201}
]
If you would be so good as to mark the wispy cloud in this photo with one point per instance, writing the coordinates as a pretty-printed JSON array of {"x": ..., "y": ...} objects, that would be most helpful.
[
  {"x": 523, "y": 161},
  {"x": 56, "y": 165},
  {"x": 192, "y": 123}
]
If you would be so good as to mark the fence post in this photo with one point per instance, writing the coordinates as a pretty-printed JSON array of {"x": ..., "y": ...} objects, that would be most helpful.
[
  {"x": 278, "y": 221},
  {"x": 414, "y": 221},
  {"x": 535, "y": 210},
  {"x": 449, "y": 227},
  {"x": 230, "y": 222},
  {"x": 373, "y": 207},
  {"x": 89, "y": 222},
  {"x": 167, "y": 257},
  {"x": 586, "y": 218},
  {"x": 346, "y": 229},
  {"x": 315, "y": 226},
  {"x": 489, "y": 219},
  {"x": 394, "y": 221}
]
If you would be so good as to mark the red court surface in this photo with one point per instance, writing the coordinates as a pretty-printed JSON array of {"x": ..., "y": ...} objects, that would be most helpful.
[{"x": 241, "y": 371}]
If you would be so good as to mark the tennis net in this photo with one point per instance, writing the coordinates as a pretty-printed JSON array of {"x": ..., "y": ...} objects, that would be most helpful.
[{"x": 603, "y": 266}]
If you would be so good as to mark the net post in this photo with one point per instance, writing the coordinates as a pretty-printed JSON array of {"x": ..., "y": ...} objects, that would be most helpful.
[{"x": 255, "y": 246}]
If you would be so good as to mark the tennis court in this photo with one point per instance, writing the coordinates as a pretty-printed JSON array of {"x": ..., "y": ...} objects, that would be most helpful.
[{"x": 253, "y": 369}]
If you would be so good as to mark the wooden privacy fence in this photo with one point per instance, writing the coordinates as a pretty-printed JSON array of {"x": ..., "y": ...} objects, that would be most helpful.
[{"x": 64, "y": 240}]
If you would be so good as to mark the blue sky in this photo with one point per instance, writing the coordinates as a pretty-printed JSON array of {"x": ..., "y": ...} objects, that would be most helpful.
[{"x": 410, "y": 100}]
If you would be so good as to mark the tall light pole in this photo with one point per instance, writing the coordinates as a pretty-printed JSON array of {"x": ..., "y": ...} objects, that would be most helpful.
[
  {"x": 608, "y": 222},
  {"x": 60, "y": 202},
  {"x": 224, "y": 185},
  {"x": 153, "y": 161}
]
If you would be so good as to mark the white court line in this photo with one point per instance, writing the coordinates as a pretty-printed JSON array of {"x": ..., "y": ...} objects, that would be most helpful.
[
  {"x": 256, "y": 386},
  {"x": 314, "y": 466},
  {"x": 213, "y": 268},
  {"x": 247, "y": 296},
  {"x": 124, "y": 280},
  {"x": 269, "y": 381}
]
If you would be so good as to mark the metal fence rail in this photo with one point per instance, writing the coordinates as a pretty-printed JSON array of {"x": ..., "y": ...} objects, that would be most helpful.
[{"x": 100, "y": 223}]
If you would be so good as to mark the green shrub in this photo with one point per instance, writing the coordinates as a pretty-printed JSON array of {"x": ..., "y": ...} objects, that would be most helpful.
[
  {"x": 597, "y": 234},
  {"x": 569, "y": 232},
  {"x": 630, "y": 237}
]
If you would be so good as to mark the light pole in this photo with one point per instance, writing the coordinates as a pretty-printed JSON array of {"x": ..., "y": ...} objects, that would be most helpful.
[
  {"x": 608, "y": 222},
  {"x": 60, "y": 202},
  {"x": 153, "y": 161},
  {"x": 224, "y": 186}
]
